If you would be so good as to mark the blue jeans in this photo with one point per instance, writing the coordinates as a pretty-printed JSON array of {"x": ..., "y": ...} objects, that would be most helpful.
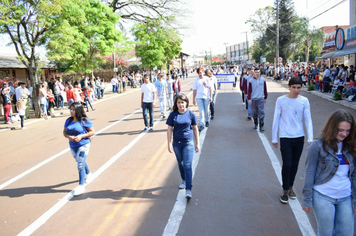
[
  {"x": 98, "y": 92},
  {"x": 203, "y": 105},
  {"x": 147, "y": 106},
  {"x": 184, "y": 153},
  {"x": 80, "y": 155},
  {"x": 70, "y": 102},
  {"x": 248, "y": 105},
  {"x": 317, "y": 85},
  {"x": 351, "y": 91},
  {"x": 334, "y": 216},
  {"x": 114, "y": 88},
  {"x": 87, "y": 102}
]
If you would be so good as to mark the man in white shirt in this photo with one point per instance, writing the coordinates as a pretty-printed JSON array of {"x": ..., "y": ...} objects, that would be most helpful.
[
  {"x": 288, "y": 117},
  {"x": 114, "y": 83},
  {"x": 148, "y": 97},
  {"x": 23, "y": 93}
]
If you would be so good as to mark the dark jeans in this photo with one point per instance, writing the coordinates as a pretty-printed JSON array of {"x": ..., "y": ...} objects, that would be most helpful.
[
  {"x": 56, "y": 96},
  {"x": 291, "y": 150},
  {"x": 147, "y": 106}
]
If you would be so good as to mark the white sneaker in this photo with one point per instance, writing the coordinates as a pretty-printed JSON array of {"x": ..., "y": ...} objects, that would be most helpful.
[
  {"x": 89, "y": 178},
  {"x": 182, "y": 185},
  {"x": 79, "y": 190},
  {"x": 188, "y": 194}
]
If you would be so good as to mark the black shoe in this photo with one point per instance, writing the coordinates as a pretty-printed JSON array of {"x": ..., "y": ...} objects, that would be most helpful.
[
  {"x": 255, "y": 127},
  {"x": 284, "y": 197},
  {"x": 249, "y": 118},
  {"x": 212, "y": 117},
  {"x": 206, "y": 124},
  {"x": 201, "y": 128},
  {"x": 262, "y": 129}
]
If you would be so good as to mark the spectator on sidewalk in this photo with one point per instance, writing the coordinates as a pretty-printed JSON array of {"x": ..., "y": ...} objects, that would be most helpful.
[
  {"x": 114, "y": 83},
  {"x": 78, "y": 129},
  {"x": 6, "y": 101},
  {"x": 148, "y": 97},
  {"x": 23, "y": 93},
  {"x": 21, "y": 108},
  {"x": 182, "y": 125},
  {"x": 290, "y": 111},
  {"x": 330, "y": 176}
]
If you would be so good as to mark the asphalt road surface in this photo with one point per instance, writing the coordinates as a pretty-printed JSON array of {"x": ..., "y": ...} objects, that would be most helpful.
[{"x": 236, "y": 184}]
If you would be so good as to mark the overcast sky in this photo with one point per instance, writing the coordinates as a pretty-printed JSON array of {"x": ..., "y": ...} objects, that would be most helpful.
[{"x": 216, "y": 22}]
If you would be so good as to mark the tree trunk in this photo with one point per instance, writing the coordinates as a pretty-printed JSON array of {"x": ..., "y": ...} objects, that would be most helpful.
[
  {"x": 307, "y": 46},
  {"x": 33, "y": 77}
]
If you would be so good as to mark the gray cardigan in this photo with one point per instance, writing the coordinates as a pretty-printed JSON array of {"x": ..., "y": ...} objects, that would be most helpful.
[{"x": 320, "y": 167}]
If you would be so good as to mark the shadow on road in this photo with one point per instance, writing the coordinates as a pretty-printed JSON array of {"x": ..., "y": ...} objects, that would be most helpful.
[{"x": 19, "y": 192}]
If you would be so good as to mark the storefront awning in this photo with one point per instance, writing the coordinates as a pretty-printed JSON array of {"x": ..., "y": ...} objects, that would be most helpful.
[{"x": 340, "y": 53}]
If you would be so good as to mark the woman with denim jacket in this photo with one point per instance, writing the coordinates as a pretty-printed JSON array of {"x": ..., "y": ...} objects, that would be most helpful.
[{"x": 330, "y": 176}]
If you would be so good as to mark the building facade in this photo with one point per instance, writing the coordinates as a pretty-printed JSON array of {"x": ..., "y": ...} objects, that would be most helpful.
[{"x": 238, "y": 53}]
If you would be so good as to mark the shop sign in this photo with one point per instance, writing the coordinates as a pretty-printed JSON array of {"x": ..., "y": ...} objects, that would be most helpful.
[{"x": 340, "y": 38}]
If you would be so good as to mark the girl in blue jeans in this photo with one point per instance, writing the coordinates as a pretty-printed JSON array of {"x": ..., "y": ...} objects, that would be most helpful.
[
  {"x": 78, "y": 129},
  {"x": 330, "y": 176},
  {"x": 182, "y": 123}
]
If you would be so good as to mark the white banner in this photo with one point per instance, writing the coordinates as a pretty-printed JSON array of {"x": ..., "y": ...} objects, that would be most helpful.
[{"x": 225, "y": 78}]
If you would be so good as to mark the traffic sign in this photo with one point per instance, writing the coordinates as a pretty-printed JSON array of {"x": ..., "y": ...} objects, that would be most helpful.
[{"x": 280, "y": 59}]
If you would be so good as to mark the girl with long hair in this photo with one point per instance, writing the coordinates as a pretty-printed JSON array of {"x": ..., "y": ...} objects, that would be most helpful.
[
  {"x": 182, "y": 126},
  {"x": 330, "y": 176},
  {"x": 78, "y": 129}
]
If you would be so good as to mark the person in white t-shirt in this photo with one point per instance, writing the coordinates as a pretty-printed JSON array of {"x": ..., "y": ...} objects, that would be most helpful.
[
  {"x": 148, "y": 97},
  {"x": 290, "y": 110},
  {"x": 202, "y": 95}
]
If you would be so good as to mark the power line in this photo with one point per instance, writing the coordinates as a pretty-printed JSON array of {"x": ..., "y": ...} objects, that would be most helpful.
[
  {"x": 319, "y": 6},
  {"x": 327, "y": 10}
]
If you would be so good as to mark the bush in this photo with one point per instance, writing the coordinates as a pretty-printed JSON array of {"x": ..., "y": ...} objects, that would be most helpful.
[
  {"x": 337, "y": 96},
  {"x": 311, "y": 87}
]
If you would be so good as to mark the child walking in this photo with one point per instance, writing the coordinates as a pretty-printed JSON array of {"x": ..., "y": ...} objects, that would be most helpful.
[{"x": 21, "y": 108}]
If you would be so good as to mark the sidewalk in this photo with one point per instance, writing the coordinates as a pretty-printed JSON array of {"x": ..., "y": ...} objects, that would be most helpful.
[
  {"x": 328, "y": 96},
  {"x": 17, "y": 125}
]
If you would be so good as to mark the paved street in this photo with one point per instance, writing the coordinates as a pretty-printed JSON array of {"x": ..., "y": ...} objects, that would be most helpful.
[{"x": 236, "y": 184}]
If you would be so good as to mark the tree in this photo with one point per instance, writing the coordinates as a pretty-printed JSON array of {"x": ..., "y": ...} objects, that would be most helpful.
[
  {"x": 29, "y": 23},
  {"x": 96, "y": 36},
  {"x": 154, "y": 44},
  {"x": 305, "y": 36},
  {"x": 261, "y": 21},
  {"x": 146, "y": 12},
  {"x": 287, "y": 17}
]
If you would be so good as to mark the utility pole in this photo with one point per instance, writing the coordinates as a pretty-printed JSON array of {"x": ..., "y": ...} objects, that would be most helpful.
[
  {"x": 226, "y": 52},
  {"x": 277, "y": 39},
  {"x": 248, "y": 55}
]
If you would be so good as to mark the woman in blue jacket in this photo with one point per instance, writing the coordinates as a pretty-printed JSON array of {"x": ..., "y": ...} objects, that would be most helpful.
[{"x": 330, "y": 176}]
